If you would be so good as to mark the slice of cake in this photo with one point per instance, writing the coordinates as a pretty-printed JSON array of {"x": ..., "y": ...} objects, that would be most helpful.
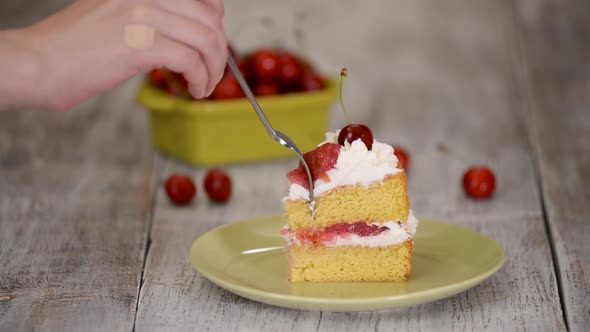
[{"x": 362, "y": 227}]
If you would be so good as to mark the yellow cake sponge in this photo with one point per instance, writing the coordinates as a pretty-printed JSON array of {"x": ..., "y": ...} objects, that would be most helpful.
[
  {"x": 378, "y": 203},
  {"x": 319, "y": 263}
]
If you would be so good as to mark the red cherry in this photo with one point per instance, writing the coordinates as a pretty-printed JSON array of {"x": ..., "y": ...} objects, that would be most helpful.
[
  {"x": 176, "y": 85},
  {"x": 227, "y": 88},
  {"x": 182, "y": 81},
  {"x": 290, "y": 89},
  {"x": 244, "y": 68},
  {"x": 311, "y": 81},
  {"x": 217, "y": 185},
  {"x": 170, "y": 90},
  {"x": 180, "y": 189},
  {"x": 479, "y": 182},
  {"x": 290, "y": 70},
  {"x": 157, "y": 77},
  {"x": 265, "y": 66},
  {"x": 353, "y": 132},
  {"x": 265, "y": 89},
  {"x": 402, "y": 156}
]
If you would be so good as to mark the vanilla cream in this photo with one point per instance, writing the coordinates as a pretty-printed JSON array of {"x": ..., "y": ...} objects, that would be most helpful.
[{"x": 355, "y": 165}]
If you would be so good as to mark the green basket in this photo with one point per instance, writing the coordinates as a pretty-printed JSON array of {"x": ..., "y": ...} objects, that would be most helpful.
[{"x": 222, "y": 132}]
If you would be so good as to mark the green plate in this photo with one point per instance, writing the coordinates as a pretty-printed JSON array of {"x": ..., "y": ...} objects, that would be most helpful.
[{"x": 247, "y": 258}]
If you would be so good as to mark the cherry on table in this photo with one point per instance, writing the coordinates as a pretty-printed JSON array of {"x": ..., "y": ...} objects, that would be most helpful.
[
  {"x": 479, "y": 182},
  {"x": 353, "y": 132},
  {"x": 180, "y": 189},
  {"x": 217, "y": 185}
]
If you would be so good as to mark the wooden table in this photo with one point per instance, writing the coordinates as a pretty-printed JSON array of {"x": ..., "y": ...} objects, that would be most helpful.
[{"x": 88, "y": 241}]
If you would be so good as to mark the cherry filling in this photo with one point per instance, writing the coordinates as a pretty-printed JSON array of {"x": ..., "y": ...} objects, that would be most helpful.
[
  {"x": 359, "y": 228},
  {"x": 328, "y": 234},
  {"x": 320, "y": 161}
]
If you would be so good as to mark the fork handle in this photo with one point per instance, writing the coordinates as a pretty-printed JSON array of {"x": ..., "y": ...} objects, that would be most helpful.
[{"x": 242, "y": 81}]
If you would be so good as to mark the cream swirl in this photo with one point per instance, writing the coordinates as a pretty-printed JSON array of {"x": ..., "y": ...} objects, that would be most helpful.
[{"x": 355, "y": 165}]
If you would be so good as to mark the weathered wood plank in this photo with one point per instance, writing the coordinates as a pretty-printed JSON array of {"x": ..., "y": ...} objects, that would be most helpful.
[
  {"x": 74, "y": 215},
  {"x": 555, "y": 41},
  {"x": 422, "y": 72}
]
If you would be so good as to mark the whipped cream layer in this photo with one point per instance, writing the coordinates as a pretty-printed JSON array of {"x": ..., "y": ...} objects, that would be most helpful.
[
  {"x": 398, "y": 233},
  {"x": 355, "y": 165}
]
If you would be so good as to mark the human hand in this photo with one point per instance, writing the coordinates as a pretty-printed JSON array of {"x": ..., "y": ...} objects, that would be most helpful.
[{"x": 93, "y": 45}]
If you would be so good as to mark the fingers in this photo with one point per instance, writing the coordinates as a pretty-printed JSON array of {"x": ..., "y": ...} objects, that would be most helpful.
[
  {"x": 195, "y": 10},
  {"x": 210, "y": 14},
  {"x": 208, "y": 41},
  {"x": 180, "y": 58},
  {"x": 217, "y": 4}
]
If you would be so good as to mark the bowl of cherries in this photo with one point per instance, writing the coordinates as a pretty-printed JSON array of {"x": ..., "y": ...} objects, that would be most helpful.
[{"x": 224, "y": 128}]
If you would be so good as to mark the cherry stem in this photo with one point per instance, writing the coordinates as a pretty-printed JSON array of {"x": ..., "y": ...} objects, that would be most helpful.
[
  {"x": 343, "y": 74},
  {"x": 446, "y": 150}
]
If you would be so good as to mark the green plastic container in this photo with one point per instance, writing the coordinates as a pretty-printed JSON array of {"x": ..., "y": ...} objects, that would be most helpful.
[{"x": 208, "y": 133}]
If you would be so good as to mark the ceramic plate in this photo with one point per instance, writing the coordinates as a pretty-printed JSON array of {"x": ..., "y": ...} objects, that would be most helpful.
[{"x": 247, "y": 258}]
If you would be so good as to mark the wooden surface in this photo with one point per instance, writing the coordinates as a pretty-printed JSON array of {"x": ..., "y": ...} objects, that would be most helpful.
[
  {"x": 557, "y": 80},
  {"x": 74, "y": 205},
  {"x": 89, "y": 240}
]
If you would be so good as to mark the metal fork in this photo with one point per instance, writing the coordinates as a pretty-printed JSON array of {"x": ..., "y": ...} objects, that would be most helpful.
[{"x": 283, "y": 139}]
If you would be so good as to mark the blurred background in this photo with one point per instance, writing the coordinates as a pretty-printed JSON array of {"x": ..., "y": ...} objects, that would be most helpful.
[
  {"x": 390, "y": 47},
  {"x": 503, "y": 83},
  {"x": 420, "y": 73}
]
